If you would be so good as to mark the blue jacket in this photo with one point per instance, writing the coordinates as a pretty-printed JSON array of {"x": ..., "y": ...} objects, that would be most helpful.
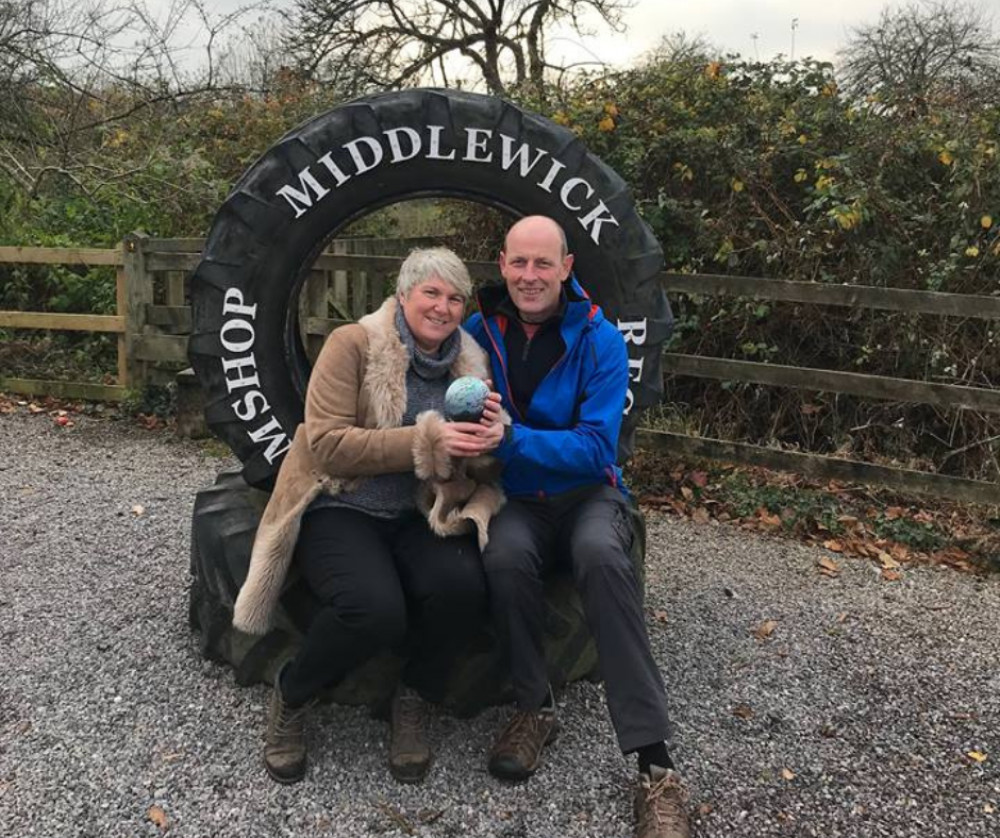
[{"x": 569, "y": 437}]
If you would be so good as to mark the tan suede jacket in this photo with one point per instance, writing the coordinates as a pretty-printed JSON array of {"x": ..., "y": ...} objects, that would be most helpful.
[{"x": 352, "y": 429}]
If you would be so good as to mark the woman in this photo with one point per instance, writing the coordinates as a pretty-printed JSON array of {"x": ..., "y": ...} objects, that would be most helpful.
[{"x": 370, "y": 505}]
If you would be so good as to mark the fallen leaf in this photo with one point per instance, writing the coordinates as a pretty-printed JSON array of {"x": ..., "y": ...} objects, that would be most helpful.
[
  {"x": 834, "y": 546},
  {"x": 660, "y": 616},
  {"x": 688, "y": 493},
  {"x": 34, "y": 408},
  {"x": 989, "y": 810},
  {"x": 787, "y": 774},
  {"x": 743, "y": 711},
  {"x": 700, "y": 515},
  {"x": 842, "y": 617},
  {"x": 767, "y": 520},
  {"x": 888, "y": 562},
  {"x": 978, "y": 756},
  {"x": 699, "y": 478},
  {"x": 705, "y": 809},
  {"x": 828, "y": 567},
  {"x": 157, "y": 816},
  {"x": 138, "y": 510},
  {"x": 891, "y": 575},
  {"x": 766, "y": 629},
  {"x": 893, "y": 512}
]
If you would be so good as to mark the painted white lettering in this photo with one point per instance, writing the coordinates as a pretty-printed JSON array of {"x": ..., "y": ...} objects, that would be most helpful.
[
  {"x": 398, "y": 155},
  {"x": 354, "y": 149},
  {"x": 594, "y": 217},
  {"x": 241, "y": 365},
  {"x": 634, "y": 331},
  {"x": 232, "y": 303},
  {"x": 434, "y": 152},
  {"x": 569, "y": 186},
  {"x": 508, "y": 155},
  {"x": 546, "y": 182},
  {"x": 334, "y": 169},
  {"x": 301, "y": 200},
  {"x": 274, "y": 436},
  {"x": 634, "y": 374},
  {"x": 250, "y": 409},
  {"x": 231, "y": 345},
  {"x": 478, "y": 137}
]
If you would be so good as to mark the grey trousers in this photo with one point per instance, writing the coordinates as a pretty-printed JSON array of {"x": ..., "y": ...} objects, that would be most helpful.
[{"x": 588, "y": 530}]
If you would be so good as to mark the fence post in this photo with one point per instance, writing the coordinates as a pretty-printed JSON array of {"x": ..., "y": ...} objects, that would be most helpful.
[{"x": 136, "y": 294}]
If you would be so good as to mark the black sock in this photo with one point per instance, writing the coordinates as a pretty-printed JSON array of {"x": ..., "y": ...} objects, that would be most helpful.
[{"x": 655, "y": 754}]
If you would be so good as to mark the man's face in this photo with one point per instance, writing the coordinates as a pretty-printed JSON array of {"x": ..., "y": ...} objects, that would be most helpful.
[{"x": 533, "y": 266}]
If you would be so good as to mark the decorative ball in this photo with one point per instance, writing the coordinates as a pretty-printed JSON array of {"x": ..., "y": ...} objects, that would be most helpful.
[{"x": 465, "y": 399}]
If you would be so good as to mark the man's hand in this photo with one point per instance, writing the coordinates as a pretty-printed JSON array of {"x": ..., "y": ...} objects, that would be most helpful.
[{"x": 469, "y": 439}]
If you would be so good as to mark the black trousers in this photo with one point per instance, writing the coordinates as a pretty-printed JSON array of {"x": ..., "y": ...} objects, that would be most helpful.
[
  {"x": 384, "y": 584},
  {"x": 588, "y": 530}
]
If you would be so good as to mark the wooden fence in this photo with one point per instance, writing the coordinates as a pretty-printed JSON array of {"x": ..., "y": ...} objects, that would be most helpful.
[{"x": 152, "y": 321}]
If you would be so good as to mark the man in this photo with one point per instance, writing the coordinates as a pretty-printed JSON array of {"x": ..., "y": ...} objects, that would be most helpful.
[{"x": 562, "y": 371}]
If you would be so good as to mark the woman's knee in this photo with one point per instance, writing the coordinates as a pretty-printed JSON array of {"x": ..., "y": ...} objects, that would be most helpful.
[{"x": 376, "y": 614}]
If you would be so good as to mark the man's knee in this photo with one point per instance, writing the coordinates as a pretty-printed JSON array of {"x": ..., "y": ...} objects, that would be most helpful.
[{"x": 599, "y": 558}]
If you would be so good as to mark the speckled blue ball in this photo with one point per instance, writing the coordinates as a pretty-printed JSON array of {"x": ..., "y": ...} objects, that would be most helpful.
[{"x": 465, "y": 399}]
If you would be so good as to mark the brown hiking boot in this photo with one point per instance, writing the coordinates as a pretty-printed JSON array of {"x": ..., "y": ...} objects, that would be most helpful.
[
  {"x": 285, "y": 743},
  {"x": 661, "y": 802},
  {"x": 409, "y": 753},
  {"x": 518, "y": 749}
]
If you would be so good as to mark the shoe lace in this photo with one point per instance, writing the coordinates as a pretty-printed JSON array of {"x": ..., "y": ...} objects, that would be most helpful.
[
  {"x": 409, "y": 713},
  {"x": 523, "y": 732},
  {"x": 289, "y": 721},
  {"x": 666, "y": 802}
]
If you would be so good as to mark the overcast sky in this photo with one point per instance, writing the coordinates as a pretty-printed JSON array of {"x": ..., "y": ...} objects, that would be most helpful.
[{"x": 820, "y": 28}]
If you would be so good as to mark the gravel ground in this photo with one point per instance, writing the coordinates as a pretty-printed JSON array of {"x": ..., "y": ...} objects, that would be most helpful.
[{"x": 853, "y": 718}]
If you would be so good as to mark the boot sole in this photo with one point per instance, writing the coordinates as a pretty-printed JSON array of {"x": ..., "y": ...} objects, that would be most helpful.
[
  {"x": 414, "y": 773},
  {"x": 284, "y": 779}
]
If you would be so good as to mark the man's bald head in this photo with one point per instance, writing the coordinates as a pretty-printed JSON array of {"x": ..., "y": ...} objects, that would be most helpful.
[{"x": 539, "y": 225}]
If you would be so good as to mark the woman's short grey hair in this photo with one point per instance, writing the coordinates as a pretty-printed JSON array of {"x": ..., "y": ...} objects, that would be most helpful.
[{"x": 424, "y": 263}]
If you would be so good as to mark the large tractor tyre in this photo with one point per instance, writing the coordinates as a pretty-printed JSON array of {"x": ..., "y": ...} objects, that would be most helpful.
[
  {"x": 226, "y": 516},
  {"x": 245, "y": 346}
]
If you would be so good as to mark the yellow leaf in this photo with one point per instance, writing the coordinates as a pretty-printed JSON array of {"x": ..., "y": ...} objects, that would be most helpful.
[
  {"x": 828, "y": 567},
  {"x": 611, "y": 109},
  {"x": 606, "y": 124},
  {"x": 713, "y": 68},
  {"x": 801, "y": 175},
  {"x": 888, "y": 562},
  {"x": 157, "y": 816},
  {"x": 737, "y": 184},
  {"x": 946, "y": 158},
  {"x": 978, "y": 756},
  {"x": 986, "y": 222},
  {"x": 787, "y": 774},
  {"x": 560, "y": 118},
  {"x": 972, "y": 251},
  {"x": 766, "y": 629},
  {"x": 803, "y": 139}
]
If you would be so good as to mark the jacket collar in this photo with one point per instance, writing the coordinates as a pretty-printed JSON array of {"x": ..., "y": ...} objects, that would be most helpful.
[{"x": 577, "y": 313}]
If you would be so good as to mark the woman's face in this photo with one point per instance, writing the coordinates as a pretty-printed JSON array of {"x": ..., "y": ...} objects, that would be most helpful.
[{"x": 433, "y": 310}]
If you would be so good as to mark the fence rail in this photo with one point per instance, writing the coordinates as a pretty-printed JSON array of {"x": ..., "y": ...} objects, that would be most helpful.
[{"x": 153, "y": 319}]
